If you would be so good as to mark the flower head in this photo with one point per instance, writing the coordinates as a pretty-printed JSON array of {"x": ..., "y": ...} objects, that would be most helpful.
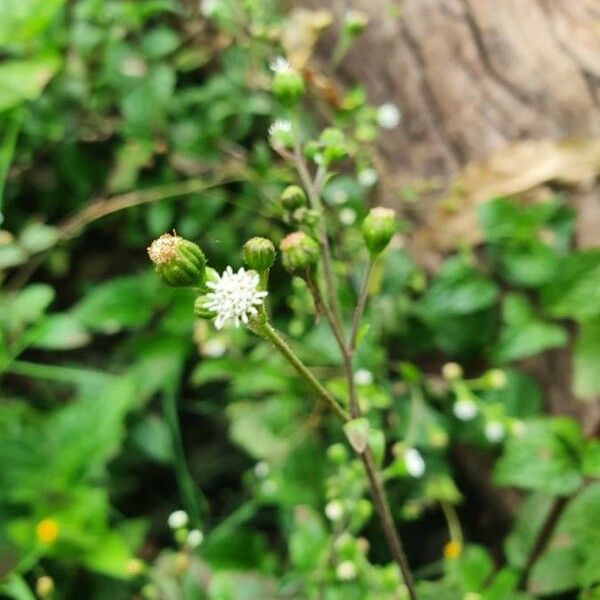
[
  {"x": 452, "y": 549},
  {"x": 388, "y": 116},
  {"x": 494, "y": 431},
  {"x": 234, "y": 296},
  {"x": 415, "y": 465},
  {"x": 280, "y": 133},
  {"x": 179, "y": 262},
  {"x": 47, "y": 531},
  {"x": 178, "y": 519},
  {"x": 346, "y": 571},
  {"x": 465, "y": 409},
  {"x": 280, "y": 65}
]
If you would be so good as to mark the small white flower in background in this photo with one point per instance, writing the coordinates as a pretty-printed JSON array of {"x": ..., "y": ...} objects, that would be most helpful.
[
  {"x": 388, "y": 116},
  {"x": 209, "y": 7},
  {"x": 346, "y": 571},
  {"x": 178, "y": 519},
  {"x": 261, "y": 469},
  {"x": 367, "y": 177},
  {"x": 280, "y": 133},
  {"x": 234, "y": 297},
  {"x": 363, "y": 377},
  {"x": 415, "y": 465},
  {"x": 494, "y": 431},
  {"x": 465, "y": 410},
  {"x": 339, "y": 197},
  {"x": 214, "y": 348},
  {"x": 280, "y": 65},
  {"x": 334, "y": 510},
  {"x": 347, "y": 216},
  {"x": 194, "y": 538}
]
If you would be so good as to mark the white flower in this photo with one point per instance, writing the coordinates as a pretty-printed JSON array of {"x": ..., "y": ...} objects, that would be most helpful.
[
  {"x": 234, "y": 296},
  {"x": 280, "y": 126},
  {"x": 334, "y": 510},
  {"x": 415, "y": 465},
  {"x": 214, "y": 348},
  {"x": 388, "y": 116},
  {"x": 346, "y": 570},
  {"x": 178, "y": 519},
  {"x": 494, "y": 431},
  {"x": 363, "y": 377},
  {"x": 347, "y": 216},
  {"x": 261, "y": 469},
  {"x": 194, "y": 538},
  {"x": 280, "y": 65},
  {"x": 465, "y": 410},
  {"x": 367, "y": 177}
]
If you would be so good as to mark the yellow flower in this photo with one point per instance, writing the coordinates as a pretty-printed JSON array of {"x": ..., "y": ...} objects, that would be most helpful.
[
  {"x": 452, "y": 549},
  {"x": 46, "y": 531}
]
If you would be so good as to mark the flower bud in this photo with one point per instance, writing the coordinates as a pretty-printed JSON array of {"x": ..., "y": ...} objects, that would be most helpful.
[
  {"x": 44, "y": 587},
  {"x": 354, "y": 23},
  {"x": 259, "y": 254},
  {"x": 378, "y": 228},
  {"x": 334, "y": 145},
  {"x": 452, "y": 371},
  {"x": 337, "y": 453},
  {"x": 293, "y": 197},
  {"x": 288, "y": 85},
  {"x": 201, "y": 311},
  {"x": 281, "y": 134},
  {"x": 299, "y": 252},
  {"x": 178, "y": 262}
]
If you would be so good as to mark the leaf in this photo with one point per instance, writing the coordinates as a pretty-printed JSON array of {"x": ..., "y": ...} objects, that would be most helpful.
[
  {"x": 23, "y": 20},
  {"x": 37, "y": 237},
  {"x": 575, "y": 291},
  {"x": 474, "y": 568},
  {"x": 523, "y": 335},
  {"x": 109, "y": 557},
  {"x": 61, "y": 331},
  {"x": 586, "y": 360},
  {"x": 544, "y": 458},
  {"x": 308, "y": 540},
  {"x": 27, "y": 306},
  {"x": 357, "y": 432},
  {"x": 23, "y": 80},
  {"x": 555, "y": 571},
  {"x": 121, "y": 303}
]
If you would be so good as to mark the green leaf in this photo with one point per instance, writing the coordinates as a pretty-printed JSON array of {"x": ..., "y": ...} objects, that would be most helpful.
[
  {"x": 545, "y": 458},
  {"x": 27, "y": 306},
  {"x": 60, "y": 332},
  {"x": 575, "y": 291},
  {"x": 122, "y": 303},
  {"x": 555, "y": 571},
  {"x": 586, "y": 360},
  {"x": 308, "y": 540},
  {"x": 474, "y": 568},
  {"x": 23, "y": 20},
  {"x": 37, "y": 237},
  {"x": 23, "y": 80},
  {"x": 522, "y": 334},
  {"x": 591, "y": 459},
  {"x": 529, "y": 266}
]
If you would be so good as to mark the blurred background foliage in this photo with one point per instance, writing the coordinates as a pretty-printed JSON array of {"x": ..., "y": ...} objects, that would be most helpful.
[{"x": 120, "y": 120}]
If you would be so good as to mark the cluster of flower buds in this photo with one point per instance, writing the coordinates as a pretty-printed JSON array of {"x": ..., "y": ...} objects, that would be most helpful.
[{"x": 178, "y": 522}]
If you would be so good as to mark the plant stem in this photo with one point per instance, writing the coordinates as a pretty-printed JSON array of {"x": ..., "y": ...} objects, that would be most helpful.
[
  {"x": 194, "y": 501},
  {"x": 360, "y": 305},
  {"x": 543, "y": 536},
  {"x": 267, "y": 331},
  {"x": 376, "y": 486},
  {"x": 387, "y": 522}
]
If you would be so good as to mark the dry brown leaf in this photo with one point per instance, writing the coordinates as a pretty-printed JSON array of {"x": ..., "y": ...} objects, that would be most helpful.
[
  {"x": 518, "y": 169},
  {"x": 301, "y": 32}
]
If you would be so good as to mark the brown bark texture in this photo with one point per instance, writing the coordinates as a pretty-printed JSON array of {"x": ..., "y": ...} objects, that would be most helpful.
[{"x": 498, "y": 97}]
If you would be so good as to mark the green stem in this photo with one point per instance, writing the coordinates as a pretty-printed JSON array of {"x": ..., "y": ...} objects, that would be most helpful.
[
  {"x": 194, "y": 501},
  {"x": 452, "y": 521},
  {"x": 267, "y": 331},
  {"x": 360, "y": 305}
]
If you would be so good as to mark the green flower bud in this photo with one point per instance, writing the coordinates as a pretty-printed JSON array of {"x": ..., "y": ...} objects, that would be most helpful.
[
  {"x": 293, "y": 197},
  {"x": 288, "y": 85},
  {"x": 201, "y": 311},
  {"x": 299, "y": 252},
  {"x": 355, "y": 23},
  {"x": 179, "y": 262},
  {"x": 378, "y": 228},
  {"x": 337, "y": 453},
  {"x": 334, "y": 144},
  {"x": 452, "y": 371},
  {"x": 259, "y": 254}
]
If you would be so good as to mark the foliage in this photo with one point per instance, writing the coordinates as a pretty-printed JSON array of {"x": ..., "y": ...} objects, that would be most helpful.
[{"x": 125, "y": 119}]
